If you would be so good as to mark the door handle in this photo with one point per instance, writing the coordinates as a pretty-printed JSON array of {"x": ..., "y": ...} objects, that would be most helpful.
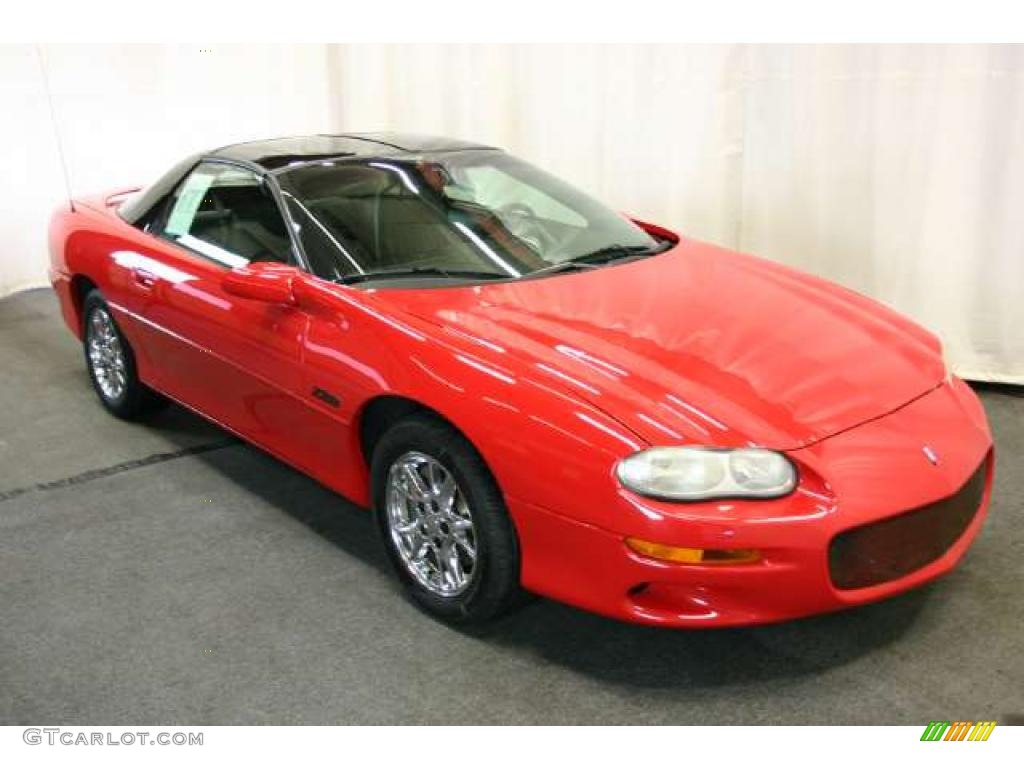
[{"x": 144, "y": 278}]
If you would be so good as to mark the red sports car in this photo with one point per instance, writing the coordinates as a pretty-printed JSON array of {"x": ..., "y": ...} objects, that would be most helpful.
[{"x": 532, "y": 391}]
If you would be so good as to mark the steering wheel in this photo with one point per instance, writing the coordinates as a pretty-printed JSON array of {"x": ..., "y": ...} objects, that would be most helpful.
[{"x": 524, "y": 223}]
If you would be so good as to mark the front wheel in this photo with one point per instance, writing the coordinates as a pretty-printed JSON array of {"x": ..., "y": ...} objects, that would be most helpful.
[
  {"x": 444, "y": 522},
  {"x": 111, "y": 363}
]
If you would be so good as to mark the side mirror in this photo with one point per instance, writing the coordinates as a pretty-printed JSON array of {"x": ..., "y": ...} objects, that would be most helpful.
[{"x": 261, "y": 281}]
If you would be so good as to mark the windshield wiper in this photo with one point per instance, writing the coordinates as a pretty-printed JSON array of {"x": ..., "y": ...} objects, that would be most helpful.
[
  {"x": 569, "y": 265},
  {"x": 388, "y": 274},
  {"x": 599, "y": 256}
]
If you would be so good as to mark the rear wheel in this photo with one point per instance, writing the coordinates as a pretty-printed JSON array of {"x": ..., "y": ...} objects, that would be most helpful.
[
  {"x": 444, "y": 522},
  {"x": 111, "y": 363}
]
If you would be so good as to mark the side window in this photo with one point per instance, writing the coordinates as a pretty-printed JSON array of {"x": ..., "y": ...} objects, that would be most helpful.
[{"x": 227, "y": 214}]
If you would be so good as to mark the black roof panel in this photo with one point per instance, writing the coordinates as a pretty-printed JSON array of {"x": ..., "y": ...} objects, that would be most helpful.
[
  {"x": 273, "y": 154},
  {"x": 417, "y": 143}
]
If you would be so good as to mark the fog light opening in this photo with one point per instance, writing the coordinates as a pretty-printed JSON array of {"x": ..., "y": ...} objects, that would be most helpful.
[{"x": 692, "y": 556}]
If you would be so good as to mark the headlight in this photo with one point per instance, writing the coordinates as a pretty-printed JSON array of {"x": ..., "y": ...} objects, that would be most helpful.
[{"x": 696, "y": 473}]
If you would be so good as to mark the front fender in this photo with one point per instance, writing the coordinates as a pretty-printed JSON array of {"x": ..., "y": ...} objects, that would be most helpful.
[{"x": 542, "y": 443}]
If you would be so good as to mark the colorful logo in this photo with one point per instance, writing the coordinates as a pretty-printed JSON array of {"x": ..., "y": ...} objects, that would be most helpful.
[{"x": 961, "y": 730}]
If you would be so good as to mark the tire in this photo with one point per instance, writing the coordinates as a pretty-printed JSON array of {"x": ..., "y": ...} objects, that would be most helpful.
[
  {"x": 492, "y": 583},
  {"x": 112, "y": 370}
]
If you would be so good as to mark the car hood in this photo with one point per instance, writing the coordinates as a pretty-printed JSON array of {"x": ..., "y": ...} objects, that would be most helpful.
[{"x": 699, "y": 344}]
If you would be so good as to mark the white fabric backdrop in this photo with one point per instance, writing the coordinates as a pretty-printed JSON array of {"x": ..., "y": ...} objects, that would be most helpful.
[
  {"x": 895, "y": 170},
  {"x": 124, "y": 114}
]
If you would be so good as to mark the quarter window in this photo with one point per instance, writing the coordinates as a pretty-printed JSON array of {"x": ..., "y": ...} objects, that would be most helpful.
[{"x": 228, "y": 215}]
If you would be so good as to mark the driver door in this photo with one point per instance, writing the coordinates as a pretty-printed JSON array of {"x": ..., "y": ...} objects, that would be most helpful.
[{"x": 234, "y": 359}]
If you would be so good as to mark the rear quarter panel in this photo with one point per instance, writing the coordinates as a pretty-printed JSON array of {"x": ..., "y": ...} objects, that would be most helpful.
[{"x": 84, "y": 242}]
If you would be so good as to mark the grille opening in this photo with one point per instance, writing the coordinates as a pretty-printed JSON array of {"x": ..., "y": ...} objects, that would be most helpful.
[{"x": 888, "y": 549}]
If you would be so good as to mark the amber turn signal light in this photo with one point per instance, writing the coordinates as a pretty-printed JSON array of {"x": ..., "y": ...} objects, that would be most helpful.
[{"x": 693, "y": 556}]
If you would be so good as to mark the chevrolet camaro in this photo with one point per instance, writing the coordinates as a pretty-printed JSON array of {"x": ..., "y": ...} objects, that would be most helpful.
[{"x": 533, "y": 393}]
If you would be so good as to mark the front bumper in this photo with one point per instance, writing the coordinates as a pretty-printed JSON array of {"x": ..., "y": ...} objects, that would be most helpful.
[{"x": 874, "y": 472}]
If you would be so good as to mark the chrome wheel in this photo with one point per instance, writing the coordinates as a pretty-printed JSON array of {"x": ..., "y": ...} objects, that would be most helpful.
[
  {"x": 106, "y": 355},
  {"x": 431, "y": 524}
]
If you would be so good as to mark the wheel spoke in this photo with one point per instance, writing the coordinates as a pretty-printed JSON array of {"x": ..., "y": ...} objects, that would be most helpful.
[
  {"x": 414, "y": 483},
  {"x": 433, "y": 477},
  {"x": 462, "y": 540},
  {"x": 406, "y": 528},
  {"x": 420, "y": 553},
  {"x": 445, "y": 494},
  {"x": 453, "y": 566}
]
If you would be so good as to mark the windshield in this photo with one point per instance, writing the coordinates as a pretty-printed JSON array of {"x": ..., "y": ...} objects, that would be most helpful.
[{"x": 469, "y": 215}]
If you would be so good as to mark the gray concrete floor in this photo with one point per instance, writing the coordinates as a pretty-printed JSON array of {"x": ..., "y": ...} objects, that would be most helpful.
[{"x": 165, "y": 573}]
